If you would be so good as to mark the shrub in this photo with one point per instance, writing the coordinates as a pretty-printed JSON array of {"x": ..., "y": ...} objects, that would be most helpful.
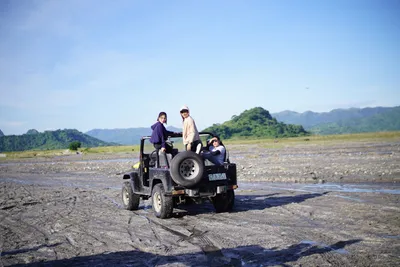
[{"x": 74, "y": 145}]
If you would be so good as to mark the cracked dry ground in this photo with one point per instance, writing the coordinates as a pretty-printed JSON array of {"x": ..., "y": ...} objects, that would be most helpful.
[{"x": 58, "y": 218}]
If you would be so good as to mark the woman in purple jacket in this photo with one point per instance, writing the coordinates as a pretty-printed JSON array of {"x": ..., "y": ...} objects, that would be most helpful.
[{"x": 160, "y": 134}]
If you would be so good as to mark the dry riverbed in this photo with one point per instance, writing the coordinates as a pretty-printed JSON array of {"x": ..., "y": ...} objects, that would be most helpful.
[{"x": 300, "y": 205}]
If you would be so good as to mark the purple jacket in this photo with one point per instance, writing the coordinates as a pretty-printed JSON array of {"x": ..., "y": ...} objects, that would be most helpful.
[{"x": 159, "y": 134}]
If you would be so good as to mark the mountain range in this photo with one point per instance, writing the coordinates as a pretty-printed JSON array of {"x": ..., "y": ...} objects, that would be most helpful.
[
  {"x": 128, "y": 136},
  {"x": 256, "y": 122},
  {"x": 337, "y": 121},
  {"x": 341, "y": 121}
]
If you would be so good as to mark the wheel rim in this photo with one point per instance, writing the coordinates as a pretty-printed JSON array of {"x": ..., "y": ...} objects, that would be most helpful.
[
  {"x": 157, "y": 201},
  {"x": 125, "y": 196},
  {"x": 189, "y": 169}
]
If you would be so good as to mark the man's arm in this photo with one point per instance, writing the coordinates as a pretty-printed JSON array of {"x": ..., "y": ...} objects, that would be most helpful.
[
  {"x": 215, "y": 152},
  {"x": 190, "y": 127}
]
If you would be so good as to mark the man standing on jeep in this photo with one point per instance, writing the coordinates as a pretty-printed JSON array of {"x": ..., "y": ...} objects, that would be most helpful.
[
  {"x": 159, "y": 136},
  {"x": 190, "y": 134}
]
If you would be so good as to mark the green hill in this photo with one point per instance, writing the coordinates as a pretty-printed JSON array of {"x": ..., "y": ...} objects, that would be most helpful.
[
  {"x": 256, "y": 122},
  {"x": 58, "y": 139},
  {"x": 32, "y": 131},
  {"x": 379, "y": 122},
  {"x": 1, "y": 133}
]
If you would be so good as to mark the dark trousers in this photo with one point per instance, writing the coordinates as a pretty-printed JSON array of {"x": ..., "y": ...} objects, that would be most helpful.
[
  {"x": 194, "y": 145},
  {"x": 168, "y": 149}
]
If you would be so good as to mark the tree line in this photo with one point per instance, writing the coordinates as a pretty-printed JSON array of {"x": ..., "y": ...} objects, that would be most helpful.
[{"x": 59, "y": 139}]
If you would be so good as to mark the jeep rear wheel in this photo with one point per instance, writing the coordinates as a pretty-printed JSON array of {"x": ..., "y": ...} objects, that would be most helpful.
[
  {"x": 224, "y": 202},
  {"x": 187, "y": 168},
  {"x": 130, "y": 200},
  {"x": 162, "y": 205}
]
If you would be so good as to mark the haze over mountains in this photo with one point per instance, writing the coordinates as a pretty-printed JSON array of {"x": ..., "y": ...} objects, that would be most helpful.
[
  {"x": 341, "y": 121},
  {"x": 309, "y": 119},
  {"x": 255, "y": 122},
  {"x": 126, "y": 136},
  {"x": 337, "y": 121}
]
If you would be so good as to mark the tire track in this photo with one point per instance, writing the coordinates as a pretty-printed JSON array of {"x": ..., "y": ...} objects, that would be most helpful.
[{"x": 197, "y": 237}]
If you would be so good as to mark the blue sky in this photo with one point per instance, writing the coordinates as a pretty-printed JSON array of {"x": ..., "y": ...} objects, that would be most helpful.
[{"x": 117, "y": 64}]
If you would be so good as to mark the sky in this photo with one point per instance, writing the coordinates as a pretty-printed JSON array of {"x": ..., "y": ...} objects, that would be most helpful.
[{"x": 96, "y": 64}]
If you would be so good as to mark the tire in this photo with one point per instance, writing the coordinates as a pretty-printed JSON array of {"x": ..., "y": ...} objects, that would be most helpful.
[
  {"x": 130, "y": 200},
  {"x": 162, "y": 205},
  {"x": 187, "y": 168},
  {"x": 224, "y": 202}
]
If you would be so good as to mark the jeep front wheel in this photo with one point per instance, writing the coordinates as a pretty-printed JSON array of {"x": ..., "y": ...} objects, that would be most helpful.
[
  {"x": 130, "y": 200},
  {"x": 162, "y": 205},
  {"x": 224, "y": 202}
]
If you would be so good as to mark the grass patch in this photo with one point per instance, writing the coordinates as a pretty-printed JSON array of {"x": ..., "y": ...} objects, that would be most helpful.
[
  {"x": 33, "y": 154},
  {"x": 110, "y": 149},
  {"x": 264, "y": 142},
  {"x": 319, "y": 139}
]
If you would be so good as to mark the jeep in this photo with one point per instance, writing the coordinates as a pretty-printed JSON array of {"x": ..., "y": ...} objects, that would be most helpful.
[{"x": 182, "y": 179}]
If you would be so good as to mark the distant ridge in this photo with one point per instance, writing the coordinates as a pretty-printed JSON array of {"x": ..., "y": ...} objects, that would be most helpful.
[
  {"x": 340, "y": 121},
  {"x": 388, "y": 120},
  {"x": 58, "y": 139},
  {"x": 128, "y": 136}
]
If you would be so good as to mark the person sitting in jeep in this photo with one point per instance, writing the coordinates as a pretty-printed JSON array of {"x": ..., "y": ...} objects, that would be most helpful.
[
  {"x": 216, "y": 151},
  {"x": 160, "y": 135}
]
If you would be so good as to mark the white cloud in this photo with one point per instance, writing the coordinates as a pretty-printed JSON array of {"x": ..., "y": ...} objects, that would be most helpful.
[{"x": 12, "y": 123}]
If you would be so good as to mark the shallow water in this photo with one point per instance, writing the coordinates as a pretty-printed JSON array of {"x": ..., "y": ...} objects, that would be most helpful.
[
  {"x": 318, "y": 244},
  {"x": 384, "y": 188},
  {"x": 69, "y": 162},
  {"x": 101, "y": 182}
]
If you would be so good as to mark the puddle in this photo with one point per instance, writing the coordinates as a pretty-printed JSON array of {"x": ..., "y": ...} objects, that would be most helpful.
[
  {"x": 383, "y": 188},
  {"x": 69, "y": 162},
  {"x": 314, "y": 243},
  {"x": 356, "y": 188}
]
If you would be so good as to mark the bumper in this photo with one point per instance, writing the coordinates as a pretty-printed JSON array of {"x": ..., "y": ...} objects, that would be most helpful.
[{"x": 200, "y": 193}]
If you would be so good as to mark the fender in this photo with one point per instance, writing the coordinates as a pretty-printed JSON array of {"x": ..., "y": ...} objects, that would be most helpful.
[
  {"x": 163, "y": 176},
  {"x": 134, "y": 181}
]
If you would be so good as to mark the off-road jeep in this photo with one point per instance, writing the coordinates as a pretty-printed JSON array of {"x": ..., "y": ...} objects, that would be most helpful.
[{"x": 185, "y": 178}]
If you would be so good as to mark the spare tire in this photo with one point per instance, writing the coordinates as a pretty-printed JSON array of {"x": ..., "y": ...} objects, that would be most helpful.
[{"x": 187, "y": 168}]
